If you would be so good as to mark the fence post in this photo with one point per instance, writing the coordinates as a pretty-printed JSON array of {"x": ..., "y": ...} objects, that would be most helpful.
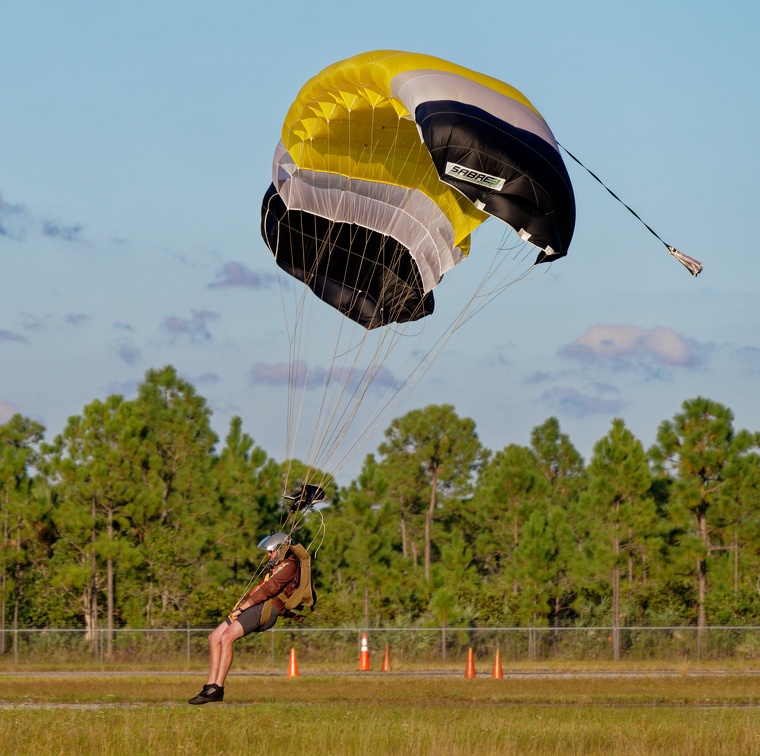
[{"x": 188, "y": 641}]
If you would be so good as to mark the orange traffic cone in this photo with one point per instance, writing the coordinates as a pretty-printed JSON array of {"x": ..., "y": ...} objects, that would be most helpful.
[
  {"x": 386, "y": 660},
  {"x": 364, "y": 656},
  {"x": 293, "y": 666},
  {"x": 497, "y": 673},
  {"x": 469, "y": 670}
]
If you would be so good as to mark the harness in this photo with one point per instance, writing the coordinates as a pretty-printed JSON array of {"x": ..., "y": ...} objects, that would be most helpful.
[{"x": 303, "y": 594}]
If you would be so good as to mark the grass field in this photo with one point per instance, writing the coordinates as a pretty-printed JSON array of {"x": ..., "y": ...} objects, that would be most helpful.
[{"x": 613, "y": 710}]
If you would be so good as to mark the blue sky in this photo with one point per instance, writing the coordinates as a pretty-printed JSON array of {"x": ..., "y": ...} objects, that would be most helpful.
[{"x": 136, "y": 143}]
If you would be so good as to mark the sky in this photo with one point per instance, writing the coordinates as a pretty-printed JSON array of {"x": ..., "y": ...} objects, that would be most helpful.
[{"x": 136, "y": 144}]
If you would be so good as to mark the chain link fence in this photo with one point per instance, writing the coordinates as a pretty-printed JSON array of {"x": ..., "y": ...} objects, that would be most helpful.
[{"x": 338, "y": 647}]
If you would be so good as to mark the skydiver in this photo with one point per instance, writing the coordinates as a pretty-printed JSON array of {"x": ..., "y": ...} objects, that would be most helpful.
[{"x": 252, "y": 614}]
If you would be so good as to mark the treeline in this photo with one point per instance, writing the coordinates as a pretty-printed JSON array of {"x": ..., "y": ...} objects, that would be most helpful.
[{"x": 136, "y": 516}]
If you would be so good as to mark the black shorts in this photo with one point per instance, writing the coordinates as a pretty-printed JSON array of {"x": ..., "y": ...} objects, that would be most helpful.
[{"x": 250, "y": 619}]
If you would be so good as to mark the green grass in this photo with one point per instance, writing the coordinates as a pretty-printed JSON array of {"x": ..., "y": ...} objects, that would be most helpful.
[{"x": 675, "y": 711}]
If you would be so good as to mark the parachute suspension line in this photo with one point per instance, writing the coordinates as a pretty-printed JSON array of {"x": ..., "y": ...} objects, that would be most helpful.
[
  {"x": 347, "y": 378},
  {"x": 252, "y": 581},
  {"x": 390, "y": 335},
  {"x": 521, "y": 251},
  {"x": 350, "y": 383},
  {"x": 298, "y": 377},
  {"x": 385, "y": 340},
  {"x": 294, "y": 525},
  {"x": 302, "y": 348},
  {"x": 290, "y": 330},
  {"x": 357, "y": 382},
  {"x": 298, "y": 369},
  {"x": 300, "y": 374},
  {"x": 327, "y": 386},
  {"x": 321, "y": 533},
  {"x": 335, "y": 378},
  {"x": 400, "y": 390},
  {"x": 693, "y": 266}
]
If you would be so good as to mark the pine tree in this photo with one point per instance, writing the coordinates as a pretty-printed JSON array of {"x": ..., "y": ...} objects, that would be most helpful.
[
  {"x": 510, "y": 487},
  {"x": 445, "y": 449},
  {"x": 362, "y": 582},
  {"x": 18, "y": 513},
  {"x": 176, "y": 514},
  {"x": 561, "y": 465},
  {"x": 92, "y": 467},
  {"x": 622, "y": 515},
  {"x": 697, "y": 449}
]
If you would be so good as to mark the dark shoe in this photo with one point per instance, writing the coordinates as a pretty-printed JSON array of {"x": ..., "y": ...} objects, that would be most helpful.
[{"x": 208, "y": 694}]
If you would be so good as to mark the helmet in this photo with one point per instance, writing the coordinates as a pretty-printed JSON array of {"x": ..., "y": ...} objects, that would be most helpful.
[{"x": 278, "y": 542}]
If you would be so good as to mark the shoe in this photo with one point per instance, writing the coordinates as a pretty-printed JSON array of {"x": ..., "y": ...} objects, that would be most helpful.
[{"x": 208, "y": 694}]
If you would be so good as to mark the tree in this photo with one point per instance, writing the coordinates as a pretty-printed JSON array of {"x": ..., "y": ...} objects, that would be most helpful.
[
  {"x": 18, "y": 438},
  {"x": 738, "y": 531},
  {"x": 696, "y": 448},
  {"x": 444, "y": 607},
  {"x": 248, "y": 484},
  {"x": 92, "y": 465},
  {"x": 405, "y": 491},
  {"x": 510, "y": 486},
  {"x": 455, "y": 582},
  {"x": 358, "y": 540},
  {"x": 444, "y": 448},
  {"x": 559, "y": 462},
  {"x": 175, "y": 514},
  {"x": 534, "y": 556},
  {"x": 618, "y": 481}
]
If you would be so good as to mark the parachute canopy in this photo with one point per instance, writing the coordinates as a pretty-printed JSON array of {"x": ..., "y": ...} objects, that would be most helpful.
[{"x": 388, "y": 162}]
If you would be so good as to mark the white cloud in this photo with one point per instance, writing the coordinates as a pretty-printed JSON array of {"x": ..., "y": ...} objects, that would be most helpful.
[
  {"x": 195, "y": 328},
  {"x": 129, "y": 354},
  {"x": 15, "y": 218},
  {"x": 628, "y": 345},
  {"x": 577, "y": 404},
  {"x": 314, "y": 377},
  {"x": 10, "y": 336},
  {"x": 236, "y": 275}
]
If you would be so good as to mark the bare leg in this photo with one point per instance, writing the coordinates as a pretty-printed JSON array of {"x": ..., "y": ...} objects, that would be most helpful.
[
  {"x": 220, "y": 658},
  {"x": 215, "y": 650}
]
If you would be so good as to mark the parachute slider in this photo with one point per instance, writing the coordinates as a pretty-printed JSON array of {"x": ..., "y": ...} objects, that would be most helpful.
[
  {"x": 305, "y": 497},
  {"x": 693, "y": 266}
]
